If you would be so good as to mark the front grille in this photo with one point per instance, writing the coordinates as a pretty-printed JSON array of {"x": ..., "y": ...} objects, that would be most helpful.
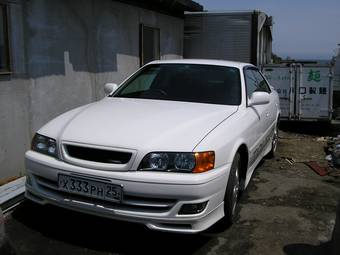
[
  {"x": 131, "y": 203},
  {"x": 98, "y": 155}
]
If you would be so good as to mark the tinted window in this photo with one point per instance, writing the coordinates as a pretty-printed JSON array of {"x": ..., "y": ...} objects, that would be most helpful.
[
  {"x": 255, "y": 82},
  {"x": 251, "y": 82},
  {"x": 261, "y": 82},
  {"x": 185, "y": 82}
]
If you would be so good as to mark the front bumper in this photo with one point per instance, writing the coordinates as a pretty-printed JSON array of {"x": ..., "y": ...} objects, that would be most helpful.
[{"x": 153, "y": 199}]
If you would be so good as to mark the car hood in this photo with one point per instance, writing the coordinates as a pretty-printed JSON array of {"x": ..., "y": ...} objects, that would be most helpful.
[{"x": 153, "y": 125}]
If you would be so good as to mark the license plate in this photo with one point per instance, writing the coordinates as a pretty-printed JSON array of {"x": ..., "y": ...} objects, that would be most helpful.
[{"x": 90, "y": 188}]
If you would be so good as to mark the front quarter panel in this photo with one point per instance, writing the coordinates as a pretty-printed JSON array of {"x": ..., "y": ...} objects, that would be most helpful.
[{"x": 227, "y": 138}]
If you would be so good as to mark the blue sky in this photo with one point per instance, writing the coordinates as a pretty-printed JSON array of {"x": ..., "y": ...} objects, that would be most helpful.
[{"x": 308, "y": 29}]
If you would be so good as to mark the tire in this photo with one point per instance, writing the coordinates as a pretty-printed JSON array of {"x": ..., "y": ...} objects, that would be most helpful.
[
  {"x": 275, "y": 140},
  {"x": 232, "y": 192}
]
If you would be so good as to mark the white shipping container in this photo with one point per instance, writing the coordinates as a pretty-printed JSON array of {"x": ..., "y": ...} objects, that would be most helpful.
[
  {"x": 244, "y": 36},
  {"x": 305, "y": 90}
]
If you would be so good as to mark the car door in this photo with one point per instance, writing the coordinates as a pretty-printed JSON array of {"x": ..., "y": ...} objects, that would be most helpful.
[
  {"x": 258, "y": 115},
  {"x": 271, "y": 108}
]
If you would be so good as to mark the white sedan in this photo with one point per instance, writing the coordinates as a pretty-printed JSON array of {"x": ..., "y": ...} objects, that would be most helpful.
[{"x": 172, "y": 147}]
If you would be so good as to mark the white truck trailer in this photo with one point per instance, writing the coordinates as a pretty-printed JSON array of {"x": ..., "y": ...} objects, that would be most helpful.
[
  {"x": 305, "y": 90},
  {"x": 244, "y": 36}
]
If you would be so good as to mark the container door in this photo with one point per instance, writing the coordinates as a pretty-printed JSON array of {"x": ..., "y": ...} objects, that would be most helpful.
[
  {"x": 282, "y": 78},
  {"x": 314, "y": 100},
  {"x": 299, "y": 88}
]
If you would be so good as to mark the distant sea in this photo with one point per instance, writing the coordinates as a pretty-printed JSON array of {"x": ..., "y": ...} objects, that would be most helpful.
[{"x": 320, "y": 61}]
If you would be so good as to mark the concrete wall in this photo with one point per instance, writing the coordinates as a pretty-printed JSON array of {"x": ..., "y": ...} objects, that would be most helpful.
[{"x": 63, "y": 52}]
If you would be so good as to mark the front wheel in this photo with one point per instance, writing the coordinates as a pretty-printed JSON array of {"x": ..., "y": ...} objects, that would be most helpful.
[{"x": 232, "y": 191}]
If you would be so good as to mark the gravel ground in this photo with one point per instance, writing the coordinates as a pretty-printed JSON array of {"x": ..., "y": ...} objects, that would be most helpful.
[{"x": 287, "y": 209}]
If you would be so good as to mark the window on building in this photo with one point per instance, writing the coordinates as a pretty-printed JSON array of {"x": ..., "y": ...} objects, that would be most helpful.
[
  {"x": 4, "y": 52},
  {"x": 149, "y": 44}
]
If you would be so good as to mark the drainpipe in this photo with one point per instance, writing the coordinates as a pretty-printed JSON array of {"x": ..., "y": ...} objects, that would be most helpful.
[{"x": 254, "y": 38}]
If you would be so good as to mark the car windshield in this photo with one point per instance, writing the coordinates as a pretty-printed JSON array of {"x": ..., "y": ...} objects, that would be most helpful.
[{"x": 185, "y": 82}]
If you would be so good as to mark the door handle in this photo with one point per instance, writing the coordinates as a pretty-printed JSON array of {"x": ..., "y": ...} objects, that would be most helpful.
[{"x": 267, "y": 114}]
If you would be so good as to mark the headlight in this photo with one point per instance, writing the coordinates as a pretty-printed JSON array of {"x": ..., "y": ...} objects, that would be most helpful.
[
  {"x": 159, "y": 161},
  {"x": 44, "y": 145},
  {"x": 190, "y": 162}
]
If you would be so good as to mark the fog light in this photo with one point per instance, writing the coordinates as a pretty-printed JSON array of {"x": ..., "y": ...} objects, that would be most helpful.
[{"x": 193, "y": 208}]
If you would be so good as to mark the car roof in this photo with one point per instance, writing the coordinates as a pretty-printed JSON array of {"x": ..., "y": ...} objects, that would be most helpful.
[{"x": 214, "y": 62}]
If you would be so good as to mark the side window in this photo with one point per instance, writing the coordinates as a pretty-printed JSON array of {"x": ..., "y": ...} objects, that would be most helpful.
[
  {"x": 261, "y": 82},
  {"x": 251, "y": 82},
  {"x": 4, "y": 49},
  {"x": 149, "y": 44}
]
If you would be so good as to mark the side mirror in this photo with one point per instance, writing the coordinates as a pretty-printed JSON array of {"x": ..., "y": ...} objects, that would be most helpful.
[
  {"x": 109, "y": 88},
  {"x": 258, "y": 98}
]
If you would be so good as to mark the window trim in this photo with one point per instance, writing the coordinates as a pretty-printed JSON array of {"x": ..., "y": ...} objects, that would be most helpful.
[
  {"x": 141, "y": 40},
  {"x": 8, "y": 69}
]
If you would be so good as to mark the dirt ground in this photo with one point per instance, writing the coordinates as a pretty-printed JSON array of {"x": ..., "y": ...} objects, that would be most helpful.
[{"x": 286, "y": 209}]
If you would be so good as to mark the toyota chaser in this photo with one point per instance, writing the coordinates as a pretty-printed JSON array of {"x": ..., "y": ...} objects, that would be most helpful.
[{"x": 171, "y": 147}]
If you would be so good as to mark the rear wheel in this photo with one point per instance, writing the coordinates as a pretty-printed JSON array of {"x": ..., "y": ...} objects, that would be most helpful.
[{"x": 232, "y": 191}]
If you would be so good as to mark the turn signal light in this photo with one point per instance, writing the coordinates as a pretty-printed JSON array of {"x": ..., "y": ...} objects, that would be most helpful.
[{"x": 205, "y": 161}]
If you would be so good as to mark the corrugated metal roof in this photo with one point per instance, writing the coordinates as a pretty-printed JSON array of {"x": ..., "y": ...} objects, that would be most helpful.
[{"x": 171, "y": 7}]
